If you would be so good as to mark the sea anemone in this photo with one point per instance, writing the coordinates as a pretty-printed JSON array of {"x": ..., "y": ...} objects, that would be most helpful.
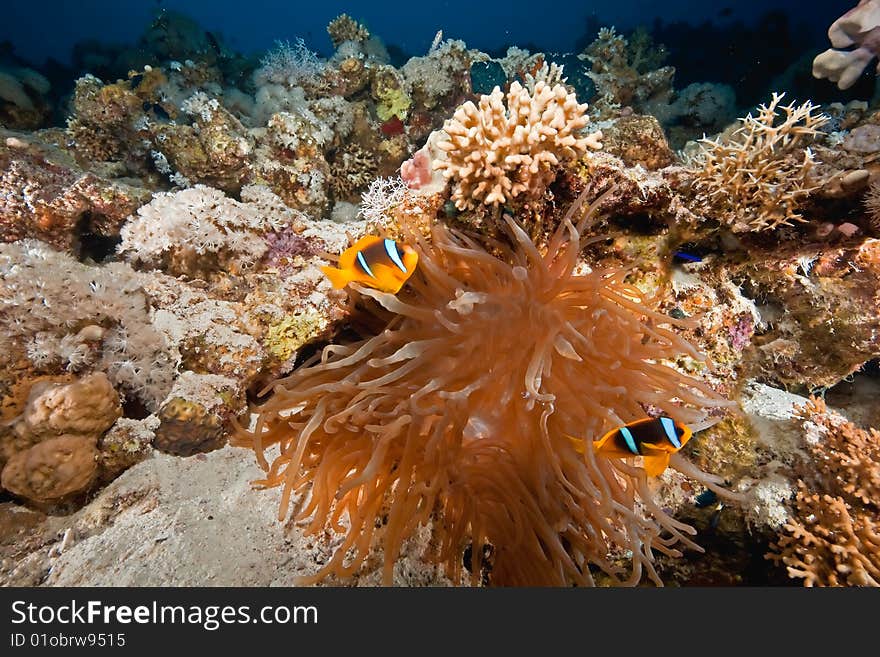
[{"x": 460, "y": 415}]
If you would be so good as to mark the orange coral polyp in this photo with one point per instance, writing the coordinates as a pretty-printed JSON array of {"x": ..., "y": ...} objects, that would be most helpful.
[{"x": 457, "y": 415}]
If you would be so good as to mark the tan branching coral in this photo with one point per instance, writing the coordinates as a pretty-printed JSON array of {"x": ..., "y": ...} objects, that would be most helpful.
[
  {"x": 833, "y": 538},
  {"x": 456, "y": 416},
  {"x": 345, "y": 28},
  {"x": 496, "y": 154},
  {"x": 759, "y": 177}
]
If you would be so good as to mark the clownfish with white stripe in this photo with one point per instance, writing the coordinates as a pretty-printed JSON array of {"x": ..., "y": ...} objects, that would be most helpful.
[
  {"x": 374, "y": 261},
  {"x": 655, "y": 439}
]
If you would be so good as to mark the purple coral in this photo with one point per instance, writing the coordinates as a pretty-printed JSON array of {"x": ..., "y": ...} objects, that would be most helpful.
[
  {"x": 284, "y": 246},
  {"x": 741, "y": 332}
]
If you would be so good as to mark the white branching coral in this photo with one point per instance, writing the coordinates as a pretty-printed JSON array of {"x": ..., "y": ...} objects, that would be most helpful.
[
  {"x": 497, "y": 153},
  {"x": 175, "y": 225},
  {"x": 289, "y": 65},
  {"x": 381, "y": 196},
  {"x": 758, "y": 178}
]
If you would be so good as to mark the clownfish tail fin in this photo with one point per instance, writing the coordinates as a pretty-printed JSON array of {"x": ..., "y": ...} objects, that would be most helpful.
[{"x": 338, "y": 277}]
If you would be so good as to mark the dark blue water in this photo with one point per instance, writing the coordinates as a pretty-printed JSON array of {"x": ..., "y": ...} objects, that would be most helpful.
[{"x": 38, "y": 30}]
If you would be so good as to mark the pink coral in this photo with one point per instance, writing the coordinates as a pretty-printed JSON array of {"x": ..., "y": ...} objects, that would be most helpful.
[{"x": 860, "y": 26}]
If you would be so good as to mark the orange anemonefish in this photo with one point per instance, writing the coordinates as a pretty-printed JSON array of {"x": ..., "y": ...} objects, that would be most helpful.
[
  {"x": 653, "y": 438},
  {"x": 377, "y": 262}
]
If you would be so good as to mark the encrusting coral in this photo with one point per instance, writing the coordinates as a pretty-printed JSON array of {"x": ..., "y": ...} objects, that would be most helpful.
[
  {"x": 759, "y": 177},
  {"x": 834, "y": 537},
  {"x": 460, "y": 413},
  {"x": 45, "y": 195},
  {"x": 53, "y": 469},
  {"x": 495, "y": 154}
]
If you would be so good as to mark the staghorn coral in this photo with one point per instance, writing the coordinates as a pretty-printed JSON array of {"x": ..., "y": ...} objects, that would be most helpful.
[
  {"x": 833, "y": 538},
  {"x": 759, "y": 177},
  {"x": 497, "y": 153},
  {"x": 459, "y": 411}
]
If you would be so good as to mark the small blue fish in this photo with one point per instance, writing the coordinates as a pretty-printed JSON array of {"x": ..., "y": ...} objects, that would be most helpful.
[{"x": 681, "y": 255}]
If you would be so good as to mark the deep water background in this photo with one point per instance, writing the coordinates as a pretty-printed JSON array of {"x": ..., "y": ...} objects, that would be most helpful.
[
  {"x": 50, "y": 28},
  {"x": 748, "y": 44}
]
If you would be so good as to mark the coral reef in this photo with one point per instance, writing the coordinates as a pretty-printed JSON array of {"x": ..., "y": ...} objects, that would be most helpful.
[
  {"x": 758, "y": 177},
  {"x": 834, "y": 537},
  {"x": 23, "y": 104},
  {"x": 495, "y": 153},
  {"x": 196, "y": 231},
  {"x": 192, "y": 418},
  {"x": 46, "y": 195},
  {"x": 638, "y": 140},
  {"x": 353, "y": 169},
  {"x": 345, "y": 28},
  {"x": 52, "y": 469},
  {"x": 160, "y": 269},
  {"x": 819, "y": 310},
  {"x": 214, "y": 150},
  {"x": 624, "y": 73},
  {"x": 59, "y": 314}
]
